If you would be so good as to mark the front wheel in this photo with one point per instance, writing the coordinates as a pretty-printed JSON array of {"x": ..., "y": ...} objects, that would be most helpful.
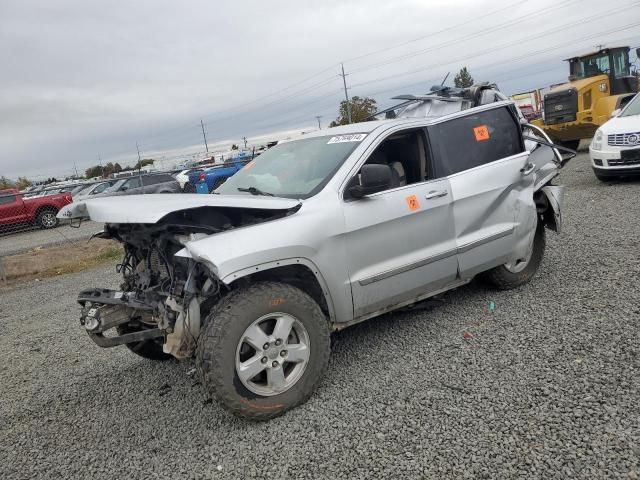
[
  {"x": 189, "y": 188},
  {"x": 264, "y": 350},
  {"x": 521, "y": 271}
]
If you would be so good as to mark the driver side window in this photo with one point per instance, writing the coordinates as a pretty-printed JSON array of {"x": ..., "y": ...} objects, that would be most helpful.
[{"x": 405, "y": 155}]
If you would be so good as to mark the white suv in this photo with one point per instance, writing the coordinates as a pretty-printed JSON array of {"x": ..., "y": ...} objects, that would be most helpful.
[{"x": 615, "y": 148}]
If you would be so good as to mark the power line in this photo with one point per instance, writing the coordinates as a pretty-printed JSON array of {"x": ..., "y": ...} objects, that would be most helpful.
[
  {"x": 473, "y": 19},
  {"x": 455, "y": 41},
  {"x": 503, "y": 46}
]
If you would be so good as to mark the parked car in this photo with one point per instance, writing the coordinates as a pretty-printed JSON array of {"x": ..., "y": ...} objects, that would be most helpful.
[
  {"x": 145, "y": 183},
  {"x": 615, "y": 148},
  {"x": 207, "y": 180},
  {"x": 94, "y": 189},
  {"x": 41, "y": 211},
  {"x": 182, "y": 177},
  {"x": 367, "y": 218}
]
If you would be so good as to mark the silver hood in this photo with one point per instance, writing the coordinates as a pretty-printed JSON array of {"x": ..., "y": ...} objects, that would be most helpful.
[{"x": 150, "y": 208}]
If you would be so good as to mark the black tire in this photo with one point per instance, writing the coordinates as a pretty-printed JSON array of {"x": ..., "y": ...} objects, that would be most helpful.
[
  {"x": 219, "y": 342},
  {"x": 47, "y": 219},
  {"x": 217, "y": 183},
  {"x": 572, "y": 144},
  {"x": 149, "y": 349},
  {"x": 503, "y": 279},
  {"x": 189, "y": 188}
]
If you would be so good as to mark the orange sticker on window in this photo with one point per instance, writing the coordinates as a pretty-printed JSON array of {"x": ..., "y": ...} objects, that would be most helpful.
[
  {"x": 481, "y": 133},
  {"x": 413, "y": 203}
]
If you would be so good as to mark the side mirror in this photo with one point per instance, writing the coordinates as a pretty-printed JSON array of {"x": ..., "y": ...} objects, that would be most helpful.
[
  {"x": 124, "y": 188},
  {"x": 615, "y": 113},
  {"x": 373, "y": 178}
]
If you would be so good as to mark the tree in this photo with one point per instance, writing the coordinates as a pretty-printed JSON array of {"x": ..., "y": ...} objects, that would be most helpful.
[
  {"x": 143, "y": 163},
  {"x": 116, "y": 167},
  {"x": 95, "y": 171},
  {"x": 6, "y": 183},
  {"x": 463, "y": 79},
  {"x": 22, "y": 183},
  {"x": 361, "y": 109}
]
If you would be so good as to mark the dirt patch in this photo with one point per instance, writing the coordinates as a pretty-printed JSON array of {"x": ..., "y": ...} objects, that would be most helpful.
[{"x": 42, "y": 262}]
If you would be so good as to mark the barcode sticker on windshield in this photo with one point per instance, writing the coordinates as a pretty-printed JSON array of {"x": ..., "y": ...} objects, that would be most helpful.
[{"x": 354, "y": 137}]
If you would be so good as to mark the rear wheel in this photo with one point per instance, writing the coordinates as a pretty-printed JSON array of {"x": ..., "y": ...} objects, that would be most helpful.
[
  {"x": 47, "y": 219},
  {"x": 572, "y": 144},
  {"x": 264, "y": 350},
  {"x": 521, "y": 271}
]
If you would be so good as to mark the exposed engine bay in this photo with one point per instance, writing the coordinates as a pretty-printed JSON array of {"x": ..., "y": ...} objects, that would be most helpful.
[{"x": 163, "y": 298}]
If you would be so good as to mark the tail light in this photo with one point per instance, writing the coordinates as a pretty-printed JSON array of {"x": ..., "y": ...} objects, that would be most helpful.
[
  {"x": 68, "y": 198},
  {"x": 202, "y": 177}
]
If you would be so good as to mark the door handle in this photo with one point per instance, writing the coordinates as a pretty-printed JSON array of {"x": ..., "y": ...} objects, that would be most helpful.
[
  {"x": 528, "y": 169},
  {"x": 436, "y": 194}
]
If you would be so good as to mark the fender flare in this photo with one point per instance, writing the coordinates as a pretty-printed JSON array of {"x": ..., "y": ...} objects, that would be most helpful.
[
  {"x": 552, "y": 217},
  {"x": 238, "y": 274}
]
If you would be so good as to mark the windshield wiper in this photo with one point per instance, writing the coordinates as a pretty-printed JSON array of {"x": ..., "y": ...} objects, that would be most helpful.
[{"x": 255, "y": 191}]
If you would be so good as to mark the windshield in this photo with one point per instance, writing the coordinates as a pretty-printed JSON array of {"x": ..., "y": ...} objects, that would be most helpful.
[
  {"x": 297, "y": 169},
  {"x": 590, "y": 66},
  {"x": 116, "y": 186},
  {"x": 633, "y": 108}
]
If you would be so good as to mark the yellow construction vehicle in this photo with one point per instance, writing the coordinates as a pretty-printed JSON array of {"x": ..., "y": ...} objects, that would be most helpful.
[{"x": 599, "y": 83}]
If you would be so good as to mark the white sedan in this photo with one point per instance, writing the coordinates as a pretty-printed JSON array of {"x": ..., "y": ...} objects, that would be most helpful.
[{"x": 615, "y": 148}]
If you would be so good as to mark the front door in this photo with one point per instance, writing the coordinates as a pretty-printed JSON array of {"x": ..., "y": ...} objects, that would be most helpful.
[{"x": 400, "y": 242}]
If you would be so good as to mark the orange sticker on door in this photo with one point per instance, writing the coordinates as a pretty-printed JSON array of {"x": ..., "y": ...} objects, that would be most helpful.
[
  {"x": 413, "y": 203},
  {"x": 481, "y": 133}
]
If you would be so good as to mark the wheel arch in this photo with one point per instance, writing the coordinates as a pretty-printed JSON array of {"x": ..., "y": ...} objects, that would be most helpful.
[
  {"x": 549, "y": 202},
  {"x": 298, "y": 272},
  {"x": 45, "y": 208}
]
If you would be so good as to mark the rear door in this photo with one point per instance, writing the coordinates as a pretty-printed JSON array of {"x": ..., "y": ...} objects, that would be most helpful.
[{"x": 483, "y": 156}]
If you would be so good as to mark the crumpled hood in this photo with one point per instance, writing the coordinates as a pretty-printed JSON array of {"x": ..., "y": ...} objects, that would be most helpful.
[{"x": 150, "y": 208}]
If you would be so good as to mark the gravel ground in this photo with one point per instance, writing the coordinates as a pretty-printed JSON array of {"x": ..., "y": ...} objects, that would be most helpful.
[
  {"x": 12, "y": 243},
  {"x": 544, "y": 386}
]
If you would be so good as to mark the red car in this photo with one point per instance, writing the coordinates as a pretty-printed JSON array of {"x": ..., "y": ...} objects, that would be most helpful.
[{"x": 40, "y": 211}]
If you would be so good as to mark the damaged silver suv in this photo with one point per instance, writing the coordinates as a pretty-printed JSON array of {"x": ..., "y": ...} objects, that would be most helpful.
[{"x": 317, "y": 234}]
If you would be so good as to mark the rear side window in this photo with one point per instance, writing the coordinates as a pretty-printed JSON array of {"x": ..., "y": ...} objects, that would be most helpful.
[
  {"x": 133, "y": 182},
  {"x": 5, "y": 199},
  {"x": 473, "y": 140},
  {"x": 155, "y": 179}
]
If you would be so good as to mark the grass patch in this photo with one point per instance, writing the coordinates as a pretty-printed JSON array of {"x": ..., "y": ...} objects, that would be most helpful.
[{"x": 44, "y": 262}]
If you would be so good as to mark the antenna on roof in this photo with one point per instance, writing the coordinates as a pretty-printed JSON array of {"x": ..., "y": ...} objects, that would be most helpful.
[{"x": 445, "y": 78}]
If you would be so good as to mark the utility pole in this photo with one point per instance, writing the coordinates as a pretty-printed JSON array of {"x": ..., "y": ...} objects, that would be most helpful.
[
  {"x": 318, "y": 117},
  {"x": 75, "y": 168},
  {"x": 245, "y": 141},
  {"x": 139, "y": 166},
  {"x": 205, "y": 136},
  {"x": 346, "y": 94}
]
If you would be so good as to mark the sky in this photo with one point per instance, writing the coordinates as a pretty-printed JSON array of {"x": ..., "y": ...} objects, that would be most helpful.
[{"x": 87, "y": 80}]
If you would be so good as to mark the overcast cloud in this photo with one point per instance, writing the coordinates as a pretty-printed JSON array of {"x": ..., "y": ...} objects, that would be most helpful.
[{"x": 86, "y": 78}]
